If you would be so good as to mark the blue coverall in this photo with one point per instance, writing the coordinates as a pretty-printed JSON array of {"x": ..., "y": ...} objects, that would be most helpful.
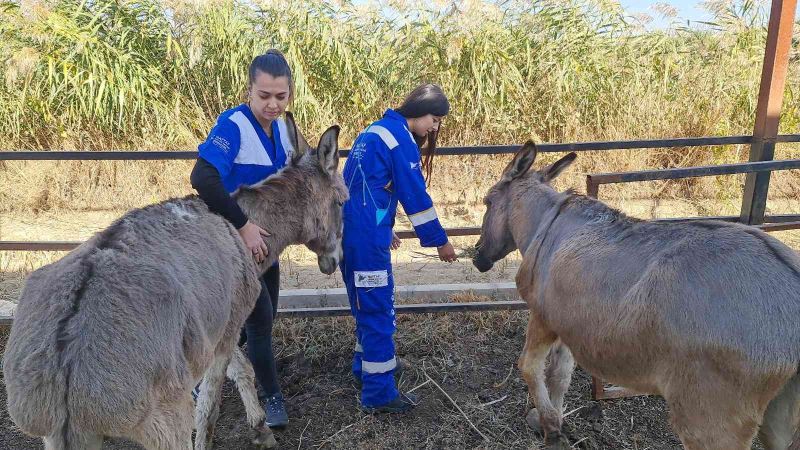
[{"x": 382, "y": 168}]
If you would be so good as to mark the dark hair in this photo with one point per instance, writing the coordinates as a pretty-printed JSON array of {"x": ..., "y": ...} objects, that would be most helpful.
[
  {"x": 427, "y": 98},
  {"x": 273, "y": 63}
]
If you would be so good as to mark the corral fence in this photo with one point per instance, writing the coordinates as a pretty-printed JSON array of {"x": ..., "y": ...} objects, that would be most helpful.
[{"x": 333, "y": 302}]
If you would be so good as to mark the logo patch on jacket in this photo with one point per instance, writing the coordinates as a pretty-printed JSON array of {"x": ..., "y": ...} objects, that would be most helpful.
[
  {"x": 375, "y": 278},
  {"x": 221, "y": 143}
]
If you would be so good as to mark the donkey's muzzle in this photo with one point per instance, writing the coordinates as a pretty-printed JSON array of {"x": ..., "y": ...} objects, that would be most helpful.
[
  {"x": 327, "y": 264},
  {"x": 482, "y": 263}
]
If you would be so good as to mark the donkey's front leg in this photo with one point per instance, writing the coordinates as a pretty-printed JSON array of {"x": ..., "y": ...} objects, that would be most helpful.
[
  {"x": 241, "y": 372},
  {"x": 538, "y": 340}
]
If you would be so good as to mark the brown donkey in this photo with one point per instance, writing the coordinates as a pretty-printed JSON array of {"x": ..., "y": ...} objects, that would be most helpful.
[
  {"x": 703, "y": 313},
  {"x": 111, "y": 339}
]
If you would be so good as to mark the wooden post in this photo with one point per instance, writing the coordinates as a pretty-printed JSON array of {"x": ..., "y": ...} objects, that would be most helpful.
[
  {"x": 768, "y": 110},
  {"x": 592, "y": 187}
]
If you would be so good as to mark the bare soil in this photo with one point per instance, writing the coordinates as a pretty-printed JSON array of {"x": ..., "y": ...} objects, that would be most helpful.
[{"x": 476, "y": 372}]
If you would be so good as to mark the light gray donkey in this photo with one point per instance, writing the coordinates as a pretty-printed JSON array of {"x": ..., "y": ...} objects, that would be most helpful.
[
  {"x": 111, "y": 339},
  {"x": 704, "y": 313}
]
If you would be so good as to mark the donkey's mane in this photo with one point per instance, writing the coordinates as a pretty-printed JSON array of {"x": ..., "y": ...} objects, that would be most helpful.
[
  {"x": 570, "y": 201},
  {"x": 595, "y": 209},
  {"x": 290, "y": 182}
]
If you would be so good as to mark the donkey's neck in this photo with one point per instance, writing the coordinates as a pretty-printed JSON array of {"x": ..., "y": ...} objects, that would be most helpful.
[
  {"x": 275, "y": 211},
  {"x": 536, "y": 207},
  {"x": 529, "y": 208}
]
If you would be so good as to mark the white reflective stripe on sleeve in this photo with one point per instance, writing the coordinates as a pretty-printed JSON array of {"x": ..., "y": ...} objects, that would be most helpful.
[
  {"x": 423, "y": 217},
  {"x": 288, "y": 148},
  {"x": 378, "y": 367},
  {"x": 359, "y": 348},
  {"x": 251, "y": 150},
  {"x": 385, "y": 135}
]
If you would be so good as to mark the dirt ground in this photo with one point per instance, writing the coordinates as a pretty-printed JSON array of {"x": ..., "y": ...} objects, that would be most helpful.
[
  {"x": 475, "y": 372},
  {"x": 462, "y": 365}
]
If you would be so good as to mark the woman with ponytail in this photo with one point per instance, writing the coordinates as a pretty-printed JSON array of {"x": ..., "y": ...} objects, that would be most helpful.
[{"x": 249, "y": 143}]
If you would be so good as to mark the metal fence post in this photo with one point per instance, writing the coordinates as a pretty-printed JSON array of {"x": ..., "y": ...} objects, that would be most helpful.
[{"x": 768, "y": 111}]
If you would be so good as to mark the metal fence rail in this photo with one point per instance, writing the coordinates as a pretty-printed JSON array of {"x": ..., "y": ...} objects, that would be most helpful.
[
  {"x": 413, "y": 308},
  {"x": 780, "y": 222},
  {"x": 771, "y": 223},
  {"x": 150, "y": 155},
  {"x": 593, "y": 182}
]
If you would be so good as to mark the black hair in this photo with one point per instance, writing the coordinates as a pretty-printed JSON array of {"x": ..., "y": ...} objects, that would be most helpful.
[
  {"x": 427, "y": 98},
  {"x": 273, "y": 63}
]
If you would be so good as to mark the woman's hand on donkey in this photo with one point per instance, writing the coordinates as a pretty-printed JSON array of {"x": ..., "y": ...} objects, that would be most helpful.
[{"x": 253, "y": 237}]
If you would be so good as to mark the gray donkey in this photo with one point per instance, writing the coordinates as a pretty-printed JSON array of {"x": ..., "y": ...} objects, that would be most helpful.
[
  {"x": 111, "y": 339},
  {"x": 702, "y": 313}
]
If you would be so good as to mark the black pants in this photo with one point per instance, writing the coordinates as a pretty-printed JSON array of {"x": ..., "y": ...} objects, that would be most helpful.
[{"x": 257, "y": 333}]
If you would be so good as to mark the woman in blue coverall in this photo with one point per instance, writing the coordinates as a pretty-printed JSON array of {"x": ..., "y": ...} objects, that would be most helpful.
[{"x": 382, "y": 169}]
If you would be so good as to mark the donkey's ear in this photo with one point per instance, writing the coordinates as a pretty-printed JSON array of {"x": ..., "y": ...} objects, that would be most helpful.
[
  {"x": 302, "y": 144},
  {"x": 328, "y": 150},
  {"x": 291, "y": 131},
  {"x": 553, "y": 170},
  {"x": 521, "y": 163}
]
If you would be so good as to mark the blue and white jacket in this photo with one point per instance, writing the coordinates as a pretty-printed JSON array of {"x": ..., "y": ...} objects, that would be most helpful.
[
  {"x": 383, "y": 168},
  {"x": 242, "y": 152}
]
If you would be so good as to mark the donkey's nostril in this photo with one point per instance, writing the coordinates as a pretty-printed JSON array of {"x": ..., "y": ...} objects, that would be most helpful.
[
  {"x": 327, "y": 264},
  {"x": 482, "y": 263}
]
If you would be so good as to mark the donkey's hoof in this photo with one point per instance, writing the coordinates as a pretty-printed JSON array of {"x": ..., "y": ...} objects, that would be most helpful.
[
  {"x": 532, "y": 419},
  {"x": 264, "y": 438},
  {"x": 557, "y": 441}
]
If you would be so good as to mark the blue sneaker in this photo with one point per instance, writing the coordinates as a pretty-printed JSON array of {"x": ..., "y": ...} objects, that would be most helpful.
[
  {"x": 276, "y": 412},
  {"x": 402, "y": 404}
]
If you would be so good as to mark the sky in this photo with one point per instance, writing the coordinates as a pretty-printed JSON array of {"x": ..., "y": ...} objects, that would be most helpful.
[{"x": 687, "y": 10}]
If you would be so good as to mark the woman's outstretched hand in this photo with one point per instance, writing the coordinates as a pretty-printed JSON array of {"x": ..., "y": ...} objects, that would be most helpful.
[{"x": 447, "y": 253}]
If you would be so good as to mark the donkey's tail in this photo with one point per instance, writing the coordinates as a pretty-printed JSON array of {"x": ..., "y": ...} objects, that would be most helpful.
[{"x": 780, "y": 427}]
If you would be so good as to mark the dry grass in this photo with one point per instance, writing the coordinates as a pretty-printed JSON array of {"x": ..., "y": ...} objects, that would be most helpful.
[{"x": 154, "y": 74}]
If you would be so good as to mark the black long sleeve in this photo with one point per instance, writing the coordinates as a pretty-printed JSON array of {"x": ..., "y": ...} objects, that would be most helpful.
[{"x": 208, "y": 183}]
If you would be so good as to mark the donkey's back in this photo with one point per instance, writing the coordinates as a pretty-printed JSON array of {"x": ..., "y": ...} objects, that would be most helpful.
[
  {"x": 724, "y": 290},
  {"x": 124, "y": 322}
]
